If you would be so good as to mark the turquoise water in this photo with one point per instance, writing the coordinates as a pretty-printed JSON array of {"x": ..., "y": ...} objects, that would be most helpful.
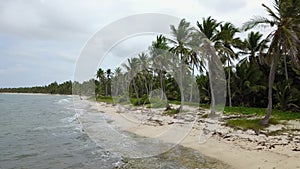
[{"x": 42, "y": 131}]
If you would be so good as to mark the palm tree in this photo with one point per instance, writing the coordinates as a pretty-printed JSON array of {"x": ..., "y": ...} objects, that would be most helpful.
[
  {"x": 108, "y": 76},
  {"x": 284, "y": 40},
  {"x": 253, "y": 45},
  {"x": 117, "y": 81},
  {"x": 224, "y": 45},
  {"x": 208, "y": 28},
  {"x": 144, "y": 67},
  {"x": 194, "y": 61},
  {"x": 132, "y": 70},
  {"x": 181, "y": 38},
  {"x": 101, "y": 77},
  {"x": 159, "y": 52}
]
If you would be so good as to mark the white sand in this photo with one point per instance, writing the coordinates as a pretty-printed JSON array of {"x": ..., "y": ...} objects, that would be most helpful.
[{"x": 239, "y": 154}]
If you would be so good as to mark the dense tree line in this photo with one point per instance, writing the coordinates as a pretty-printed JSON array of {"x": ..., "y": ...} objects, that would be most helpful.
[
  {"x": 53, "y": 88},
  {"x": 261, "y": 71}
]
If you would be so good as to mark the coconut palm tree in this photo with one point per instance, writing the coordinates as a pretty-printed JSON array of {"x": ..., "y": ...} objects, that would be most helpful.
[
  {"x": 194, "y": 62},
  {"x": 158, "y": 50},
  {"x": 132, "y": 68},
  {"x": 181, "y": 38},
  {"x": 101, "y": 77},
  {"x": 208, "y": 28},
  {"x": 117, "y": 82},
  {"x": 144, "y": 67},
  {"x": 284, "y": 40},
  {"x": 107, "y": 84},
  {"x": 253, "y": 45},
  {"x": 225, "y": 44}
]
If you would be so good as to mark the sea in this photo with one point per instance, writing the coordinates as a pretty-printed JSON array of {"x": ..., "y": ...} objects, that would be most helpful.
[{"x": 39, "y": 131}]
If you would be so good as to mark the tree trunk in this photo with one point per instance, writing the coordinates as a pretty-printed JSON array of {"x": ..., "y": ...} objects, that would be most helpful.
[
  {"x": 136, "y": 92},
  {"x": 191, "y": 93},
  {"x": 100, "y": 84},
  {"x": 213, "y": 102},
  {"x": 285, "y": 69},
  {"x": 272, "y": 73},
  {"x": 106, "y": 91},
  {"x": 161, "y": 83},
  {"x": 212, "y": 94},
  {"x": 181, "y": 84},
  {"x": 228, "y": 85},
  {"x": 146, "y": 86}
]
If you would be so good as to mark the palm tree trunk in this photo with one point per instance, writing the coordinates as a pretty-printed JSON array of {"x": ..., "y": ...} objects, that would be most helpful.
[
  {"x": 106, "y": 90},
  {"x": 146, "y": 87},
  {"x": 212, "y": 93},
  {"x": 228, "y": 85},
  {"x": 117, "y": 89},
  {"x": 213, "y": 102},
  {"x": 191, "y": 93},
  {"x": 161, "y": 83},
  {"x": 181, "y": 84},
  {"x": 100, "y": 85},
  {"x": 136, "y": 92},
  {"x": 285, "y": 69},
  {"x": 272, "y": 73}
]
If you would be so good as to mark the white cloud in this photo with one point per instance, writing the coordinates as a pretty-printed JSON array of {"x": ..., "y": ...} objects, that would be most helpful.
[{"x": 49, "y": 34}]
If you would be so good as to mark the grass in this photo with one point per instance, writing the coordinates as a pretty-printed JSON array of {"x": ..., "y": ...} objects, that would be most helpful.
[
  {"x": 260, "y": 112},
  {"x": 106, "y": 99},
  {"x": 276, "y": 114},
  {"x": 245, "y": 124},
  {"x": 171, "y": 112},
  {"x": 206, "y": 106},
  {"x": 277, "y": 117}
]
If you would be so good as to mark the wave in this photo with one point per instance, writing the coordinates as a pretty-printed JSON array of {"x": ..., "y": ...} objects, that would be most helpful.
[{"x": 67, "y": 100}]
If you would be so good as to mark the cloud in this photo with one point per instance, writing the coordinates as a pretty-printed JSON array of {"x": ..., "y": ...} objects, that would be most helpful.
[{"x": 44, "y": 38}]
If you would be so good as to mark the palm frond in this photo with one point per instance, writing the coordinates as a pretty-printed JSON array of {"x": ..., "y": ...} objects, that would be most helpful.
[{"x": 257, "y": 21}]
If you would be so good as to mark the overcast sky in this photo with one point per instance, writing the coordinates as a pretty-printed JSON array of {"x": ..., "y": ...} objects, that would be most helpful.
[{"x": 42, "y": 39}]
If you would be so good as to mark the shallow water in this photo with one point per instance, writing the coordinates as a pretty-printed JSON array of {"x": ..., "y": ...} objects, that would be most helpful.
[{"x": 43, "y": 131}]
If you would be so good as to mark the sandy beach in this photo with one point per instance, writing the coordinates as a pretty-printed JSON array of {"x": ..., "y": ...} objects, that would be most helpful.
[{"x": 239, "y": 149}]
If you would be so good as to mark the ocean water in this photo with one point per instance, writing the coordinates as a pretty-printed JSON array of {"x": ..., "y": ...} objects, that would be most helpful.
[{"x": 43, "y": 132}]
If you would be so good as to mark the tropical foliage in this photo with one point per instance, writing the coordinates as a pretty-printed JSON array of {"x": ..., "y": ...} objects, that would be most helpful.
[{"x": 175, "y": 67}]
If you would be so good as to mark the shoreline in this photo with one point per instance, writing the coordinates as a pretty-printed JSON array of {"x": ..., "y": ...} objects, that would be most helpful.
[
  {"x": 13, "y": 93},
  {"x": 237, "y": 153}
]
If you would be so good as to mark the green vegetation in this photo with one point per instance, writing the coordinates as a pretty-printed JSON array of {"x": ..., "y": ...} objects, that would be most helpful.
[
  {"x": 171, "y": 112},
  {"x": 245, "y": 124},
  {"x": 53, "y": 88},
  {"x": 277, "y": 114},
  {"x": 106, "y": 99},
  {"x": 279, "y": 117},
  {"x": 248, "y": 88},
  {"x": 217, "y": 45}
]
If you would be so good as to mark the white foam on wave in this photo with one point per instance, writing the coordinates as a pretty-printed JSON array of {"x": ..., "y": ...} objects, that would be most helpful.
[
  {"x": 51, "y": 127},
  {"x": 67, "y": 100}
]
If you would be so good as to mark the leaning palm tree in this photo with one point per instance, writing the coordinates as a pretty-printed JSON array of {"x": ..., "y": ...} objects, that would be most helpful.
[
  {"x": 208, "y": 28},
  {"x": 181, "y": 37},
  {"x": 284, "y": 40}
]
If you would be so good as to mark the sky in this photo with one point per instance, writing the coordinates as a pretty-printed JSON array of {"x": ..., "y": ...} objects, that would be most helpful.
[{"x": 42, "y": 41}]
